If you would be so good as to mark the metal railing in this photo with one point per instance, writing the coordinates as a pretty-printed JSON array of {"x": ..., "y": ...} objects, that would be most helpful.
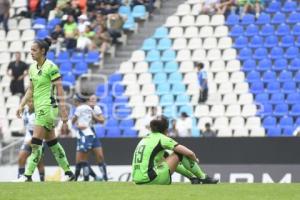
[{"x": 9, "y": 153}]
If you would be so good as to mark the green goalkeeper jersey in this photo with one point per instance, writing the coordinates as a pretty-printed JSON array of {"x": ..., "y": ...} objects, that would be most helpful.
[
  {"x": 44, "y": 92},
  {"x": 149, "y": 154}
]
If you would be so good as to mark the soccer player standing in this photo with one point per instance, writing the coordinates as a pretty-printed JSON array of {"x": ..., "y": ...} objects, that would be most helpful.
[
  {"x": 152, "y": 165},
  {"x": 46, "y": 89}
]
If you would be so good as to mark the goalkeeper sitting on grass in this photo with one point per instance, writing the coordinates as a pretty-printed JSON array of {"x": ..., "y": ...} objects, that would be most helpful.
[{"x": 152, "y": 165}]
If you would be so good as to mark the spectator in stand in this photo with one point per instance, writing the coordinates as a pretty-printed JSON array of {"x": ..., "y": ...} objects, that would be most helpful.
[
  {"x": 184, "y": 125},
  {"x": 84, "y": 41},
  {"x": 102, "y": 40},
  {"x": 99, "y": 22},
  {"x": 172, "y": 130},
  {"x": 224, "y": 7},
  {"x": 203, "y": 83},
  {"x": 208, "y": 132},
  {"x": 249, "y": 6},
  {"x": 4, "y": 13},
  {"x": 70, "y": 30},
  {"x": 46, "y": 6},
  {"x": 17, "y": 70},
  {"x": 115, "y": 24},
  {"x": 210, "y": 6},
  {"x": 82, "y": 23},
  {"x": 72, "y": 8},
  {"x": 57, "y": 37}
]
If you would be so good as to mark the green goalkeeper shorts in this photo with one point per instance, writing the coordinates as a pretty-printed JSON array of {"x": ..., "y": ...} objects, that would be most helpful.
[
  {"x": 163, "y": 175},
  {"x": 46, "y": 117}
]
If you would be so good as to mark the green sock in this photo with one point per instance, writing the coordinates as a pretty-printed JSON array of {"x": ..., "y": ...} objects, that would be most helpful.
[
  {"x": 60, "y": 156},
  {"x": 193, "y": 167},
  {"x": 33, "y": 159},
  {"x": 183, "y": 171}
]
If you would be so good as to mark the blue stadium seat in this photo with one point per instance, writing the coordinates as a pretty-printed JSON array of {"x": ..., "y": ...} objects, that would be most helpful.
[
  {"x": 282, "y": 30},
  {"x": 128, "y": 123},
  {"x": 269, "y": 121},
  {"x": 124, "y": 11},
  {"x": 265, "y": 109},
  {"x": 249, "y": 65},
  {"x": 128, "y": 132},
  {"x": 288, "y": 131},
  {"x": 42, "y": 34},
  {"x": 248, "y": 19},
  {"x": 264, "y": 65},
  {"x": 178, "y": 88},
  {"x": 171, "y": 66},
  {"x": 121, "y": 100},
  {"x": 276, "y": 53},
  {"x": 153, "y": 55},
  {"x": 291, "y": 53},
  {"x": 273, "y": 87},
  {"x": 68, "y": 80},
  {"x": 260, "y": 53},
  {"x": 263, "y": 18},
  {"x": 295, "y": 110},
  {"x": 51, "y": 55},
  {"x": 139, "y": 12},
  {"x": 100, "y": 130},
  {"x": 236, "y": 31},
  {"x": 102, "y": 90},
  {"x": 52, "y": 23},
  {"x": 294, "y": 18},
  {"x": 253, "y": 76},
  {"x": 170, "y": 111},
  {"x": 262, "y": 98},
  {"x": 274, "y": 131},
  {"x": 164, "y": 44},
  {"x": 175, "y": 77},
  {"x": 115, "y": 78},
  {"x": 297, "y": 42},
  {"x": 257, "y": 87},
  {"x": 187, "y": 109},
  {"x": 160, "y": 78},
  {"x": 163, "y": 89},
  {"x": 149, "y": 44},
  {"x": 107, "y": 99},
  {"x": 232, "y": 19},
  {"x": 287, "y": 41},
  {"x": 277, "y": 98},
  {"x": 273, "y": 7},
  {"x": 289, "y": 87},
  {"x": 111, "y": 122},
  {"x": 269, "y": 76},
  {"x": 271, "y": 41},
  {"x": 92, "y": 57},
  {"x": 256, "y": 42},
  {"x": 296, "y": 30},
  {"x": 251, "y": 30},
  {"x": 280, "y": 64},
  {"x": 293, "y": 98},
  {"x": 241, "y": 42},
  {"x": 267, "y": 30},
  {"x": 160, "y": 32},
  {"x": 168, "y": 55},
  {"x": 245, "y": 54},
  {"x": 130, "y": 24},
  {"x": 285, "y": 76},
  {"x": 156, "y": 67},
  {"x": 65, "y": 68},
  {"x": 286, "y": 122},
  {"x": 182, "y": 99},
  {"x": 278, "y": 18},
  {"x": 118, "y": 90},
  {"x": 280, "y": 110},
  {"x": 289, "y": 6},
  {"x": 295, "y": 64},
  {"x": 77, "y": 57},
  {"x": 167, "y": 100},
  {"x": 80, "y": 68},
  {"x": 297, "y": 77},
  {"x": 113, "y": 132},
  {"x": 39, "y": 23}
]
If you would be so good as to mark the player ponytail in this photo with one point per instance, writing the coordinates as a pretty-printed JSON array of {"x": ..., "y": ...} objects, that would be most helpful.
[{"x": 44, "y": 44}]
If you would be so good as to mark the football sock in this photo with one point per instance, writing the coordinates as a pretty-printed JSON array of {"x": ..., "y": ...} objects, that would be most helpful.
[
  {"x": 77, "y": 170},
  {"x": 86, "y": 171},
  {"x": 102, "y": 167},
  {"x": 183, "y": 171},
  {"x": 193, "y": 167},
  {"x": 42, "y": 176},
  {"x": 21, "y": 171},
  {"x": 92, "y": 173},
  {"x": 35, "y": 156},
  {"x": 59, "y": 154}
]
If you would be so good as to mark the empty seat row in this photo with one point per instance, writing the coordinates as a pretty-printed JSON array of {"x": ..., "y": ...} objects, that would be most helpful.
[
  {"x": 278, "y": 110},
  {"x": 231, "y": 110},
  {"x": 271, "y": 64},
  {"x": 271, "y": 76},
  {"x": 190, "y": 20},
  {"x": 276, "y": 98},
  {"x": 274, "y": 53},
  {"x": 192, "y": 32}
]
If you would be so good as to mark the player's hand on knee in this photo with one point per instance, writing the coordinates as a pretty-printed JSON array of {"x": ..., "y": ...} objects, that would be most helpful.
[{"x": 20, "y": 112}]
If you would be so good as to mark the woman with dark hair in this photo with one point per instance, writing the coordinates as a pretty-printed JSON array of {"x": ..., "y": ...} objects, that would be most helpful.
[
  {"x": 152, "y": 164},
  {"x": 46, "y": 90}
]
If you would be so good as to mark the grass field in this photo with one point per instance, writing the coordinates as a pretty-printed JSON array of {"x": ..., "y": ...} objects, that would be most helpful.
[{"x": 128, "y": 191}]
